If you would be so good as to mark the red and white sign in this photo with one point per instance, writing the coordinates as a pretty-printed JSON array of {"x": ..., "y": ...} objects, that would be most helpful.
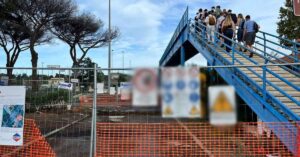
[
  {"x": 145, "y": 87},
  {"x": 125, "y": 90},
  {"x": 297, "y": 7}
]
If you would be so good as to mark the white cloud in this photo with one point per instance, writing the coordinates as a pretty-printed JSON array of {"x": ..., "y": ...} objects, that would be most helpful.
[{"x": 147, "y": 26}]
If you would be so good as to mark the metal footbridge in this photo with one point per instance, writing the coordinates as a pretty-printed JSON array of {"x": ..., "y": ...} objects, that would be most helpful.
[{"x": 272, "y": 92}]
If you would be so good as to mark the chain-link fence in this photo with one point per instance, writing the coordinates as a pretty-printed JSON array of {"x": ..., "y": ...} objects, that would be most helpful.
[{"x": 81, "y": 121}]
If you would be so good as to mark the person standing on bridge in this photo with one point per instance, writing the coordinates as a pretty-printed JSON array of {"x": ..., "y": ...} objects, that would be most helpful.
[
  {"x": 211, "y": 26},
  {"x": 240, "y": 33},
  {"x": 219, "y": 26},
  {"x": 228, "y": 30},
  {"x": 250, "y": 30},
  {"x": 233, "y": 16},
  {"x": 218, "y": 11},
  {"x": 198, "y": 20}
]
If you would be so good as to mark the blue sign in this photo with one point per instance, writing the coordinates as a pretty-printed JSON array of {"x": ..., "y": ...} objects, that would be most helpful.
[
  {"x": 194, "y": 84},
  {"x": 194, "y": 97},
  {"x": 167, "y": 85},
  {"x": 168, "y": 98},
  {"x": 180, "y": 84},
  {"x": 16, "y": 137}
]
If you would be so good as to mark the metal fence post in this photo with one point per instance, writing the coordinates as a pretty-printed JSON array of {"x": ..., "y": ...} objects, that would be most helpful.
[
  {"x": 94, "y": 116},
  {"x": 264, "y": 82},
  {"x": 233, "y": 52},
  {"x": 296, "y": 59},
  {"x": 265, "y": 45}
]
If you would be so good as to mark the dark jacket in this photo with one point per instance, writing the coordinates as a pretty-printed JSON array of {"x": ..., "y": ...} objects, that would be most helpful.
[{"x": 234, "y": 18}]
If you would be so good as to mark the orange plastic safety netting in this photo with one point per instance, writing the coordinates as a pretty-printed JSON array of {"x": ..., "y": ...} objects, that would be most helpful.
[
  {"x": 195, "y": 139},
  {"x": 34, "y": 144}
]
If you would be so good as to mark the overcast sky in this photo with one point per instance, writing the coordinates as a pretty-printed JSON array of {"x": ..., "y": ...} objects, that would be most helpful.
[{"x": 146, "y": 27}]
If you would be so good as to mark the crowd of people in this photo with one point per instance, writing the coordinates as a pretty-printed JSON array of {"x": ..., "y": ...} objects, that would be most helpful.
[{"x": 228, "y": 24}]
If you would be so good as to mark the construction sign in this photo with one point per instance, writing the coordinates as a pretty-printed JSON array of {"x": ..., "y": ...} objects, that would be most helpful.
[
  {"x": 181, "y": 92},
  {"x": 145, "y": 87},
  {"x": 222, "y": 105},
  {"x": 297, "y": 7},
  {"x": 12, "y": 110},
  {"x": 125, "y": 89}
]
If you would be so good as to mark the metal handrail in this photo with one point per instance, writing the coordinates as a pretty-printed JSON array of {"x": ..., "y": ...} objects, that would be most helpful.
[
  {"x": 293, "y": 49},
  {"x": 250, "y": 59},
  {"x": 291, "y": 114},
  {"x": 278, "y": 52},
  {"x": 182, "y": 24},
  {"x": 265, "y": 81}
]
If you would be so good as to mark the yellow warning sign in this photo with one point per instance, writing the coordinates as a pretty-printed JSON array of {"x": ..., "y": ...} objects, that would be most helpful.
[
  {"x": 168, "y": 111},
  {"x": 194, "y": 111},
  {"x": 222, "y": 104}
]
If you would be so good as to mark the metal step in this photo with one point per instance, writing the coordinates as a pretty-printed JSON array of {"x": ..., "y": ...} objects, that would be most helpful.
[
  {"x": 247, "y": 71},
  {"x": 292, "y": 106},
  {"x": 286, "y": 99},
  {"x": 291, "y": 93},
  {"x": 274, "y": 79},
  {"x": 283, "y": 75},
  {"x": 281, "y": 83},
  {"x": 285, "y": 88}
]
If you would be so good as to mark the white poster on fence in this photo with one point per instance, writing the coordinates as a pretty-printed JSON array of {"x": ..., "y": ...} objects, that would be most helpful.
[
  {"x": 12, "y": 110},
  {"x": 112, "y": 91},
  {"x": 125, "y": 89},
  {"x": 222, "y": 105},
  {"x": 65, "y": 85},
  {"x": 181, "y": 92},
  {"x": 100, "y": 88},
  {"x": 145, "y": 87}
]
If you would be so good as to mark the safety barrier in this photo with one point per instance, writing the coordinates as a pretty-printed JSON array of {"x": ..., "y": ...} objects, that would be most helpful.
[
  {"x": 191, "y": 139},
  {"x": 34, "y": 144},
  {"x": 103, "y": 100}
]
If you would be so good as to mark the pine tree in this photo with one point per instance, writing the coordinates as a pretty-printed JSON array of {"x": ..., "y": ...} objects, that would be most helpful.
[{"x": 289, "y": 24}]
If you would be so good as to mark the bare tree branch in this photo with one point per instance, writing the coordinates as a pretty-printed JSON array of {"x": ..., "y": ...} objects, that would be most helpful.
[{"x": 85, "y": 31}]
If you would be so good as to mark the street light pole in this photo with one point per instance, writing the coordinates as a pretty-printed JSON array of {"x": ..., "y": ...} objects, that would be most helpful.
[
  {"x": 123, "y": 61},
  {"x": 109, "y": 44}
]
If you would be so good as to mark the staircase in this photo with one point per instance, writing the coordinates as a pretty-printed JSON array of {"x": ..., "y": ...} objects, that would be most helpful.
[{"x": 272, "y": 91}]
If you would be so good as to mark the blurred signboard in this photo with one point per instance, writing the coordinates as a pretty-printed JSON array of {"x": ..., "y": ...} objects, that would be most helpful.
[
  {"x": 145, "y": 87},
  {"x": 112, "y": 91},
  {"x": 12, "y": 110},
  {"x": 297, "y": 7},
  {"x": 74, "y": 80},
  {"x": 4, "y": 81},
  {"x": 100, "y": 88},
  {"x": 181, "y": 92},
  {"x": 222, "y": 105},
  {"x": 125, "y": 90},
  {"x": 64, "y": 85},
  {"x": 53, "y": 66}
]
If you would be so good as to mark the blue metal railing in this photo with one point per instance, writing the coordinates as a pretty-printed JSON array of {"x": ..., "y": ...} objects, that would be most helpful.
[
  {"x": 182, "y": 24},
  {"x": 243, "y": 78},
  {"x": 265, "y": 50},
  {"x": 265, "y": 70},
  {"x": 270, "y": 43}
]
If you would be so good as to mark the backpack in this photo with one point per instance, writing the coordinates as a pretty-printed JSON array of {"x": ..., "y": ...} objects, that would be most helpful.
[
  {"x": 256, "y": 27},
  {"x": 211, "y": 20},
  {"x": 242, "y": 26},
  {"x": 234, "y": 18}
]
